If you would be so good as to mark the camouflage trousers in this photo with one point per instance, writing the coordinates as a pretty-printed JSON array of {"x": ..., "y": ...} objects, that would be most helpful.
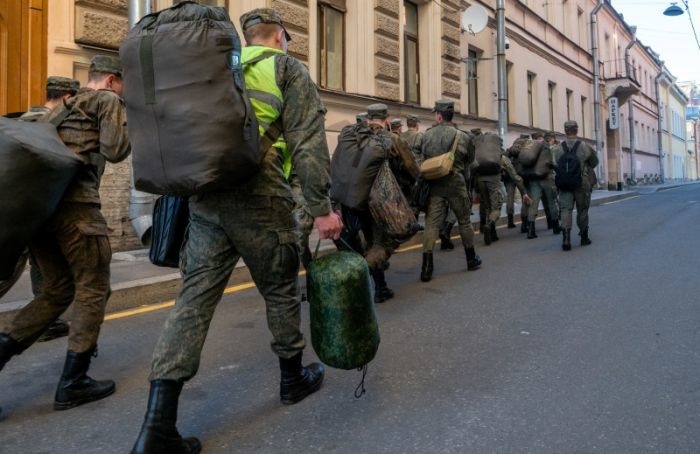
[
  {"x": 546, "y": 191},
  {"x": 510, "y": 200},
  {"x": 223, "y": 228},
  {"x": 304, "y": 221},
  {"x": 581, "y": 198},
  {"x": 73, "y": 254},
  {"x": 490, "y": 198},
  {"x": 436, "y": 213},
  {"x": 376, "y": 247}
]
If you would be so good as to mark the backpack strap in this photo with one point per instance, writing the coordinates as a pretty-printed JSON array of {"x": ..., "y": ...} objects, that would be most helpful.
[
  {"x": 58, "y": 119},
  {"x": 274, "y": 131},
  {"x": 565, "y": 146},
  {"x": 265, "y": 55}
]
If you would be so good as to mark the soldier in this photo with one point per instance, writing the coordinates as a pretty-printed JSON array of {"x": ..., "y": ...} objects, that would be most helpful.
[
  {"x": 512, "y": 154},
  {"x": 490, "y": 190},
  {"x": 449, "y": 191},
  {"x": 396, "y": 126},
  {"x": 254, "y": 221},
  {"x": 413, "y": 136},
  {"x": 58, "y": 90},
  {"x": 361, "y": 118},
  {"x": 378, "y": 247},
  {"x": 542, "y": 187},
  {"x": 581, "y": 196},
  {"x": 72, "y": 250}
]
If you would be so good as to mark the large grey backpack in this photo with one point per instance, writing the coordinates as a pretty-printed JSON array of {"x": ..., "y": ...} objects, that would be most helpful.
[{"x": 191, "y": 125}]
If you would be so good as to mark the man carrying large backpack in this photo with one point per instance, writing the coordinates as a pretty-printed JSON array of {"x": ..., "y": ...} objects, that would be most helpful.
[
  {"x": 575, "y": 162},
  {"x": 254, "y": 221}
]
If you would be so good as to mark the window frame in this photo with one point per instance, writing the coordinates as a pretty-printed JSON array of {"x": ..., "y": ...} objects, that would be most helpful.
[{"x": 323, "y": 6}]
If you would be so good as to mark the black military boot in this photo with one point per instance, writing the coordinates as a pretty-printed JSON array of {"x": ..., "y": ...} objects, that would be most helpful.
[
  {"x": 556, "y": 227},
  {"x": 158, "y": 433},
  {"x": 523, "y": 224},
  {"x": 486, "y": 229},
  {"x": 8, "y": 348},
  {"x": 566, "y": 241},
  {"x": 550, "y": 223},
  {"x": 473, "y": 260},
  {"x": 382, "y": 292},
  {"x": 494, "y": 234},
  {"x": 299, "y": 381},
  {"x": 585, "y": 241},
  {"x": 445, "y": 233},
  {"x": 75, "y": 387},
  {"x": 511, "y": 224},
  {"x": 426, "y": 270},
  {"x": 531, "y": 230}
]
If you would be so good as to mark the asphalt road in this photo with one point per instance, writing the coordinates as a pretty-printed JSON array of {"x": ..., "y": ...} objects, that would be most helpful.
[{"x": 540, "y": 351}]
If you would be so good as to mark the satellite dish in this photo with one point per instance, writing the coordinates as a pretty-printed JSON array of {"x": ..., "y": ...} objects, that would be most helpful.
[{"x": 474, "y": 19}]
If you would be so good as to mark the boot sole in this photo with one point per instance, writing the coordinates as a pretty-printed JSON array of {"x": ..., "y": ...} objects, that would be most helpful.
[
  {"x": 60, "y": 406},
  {"x": 300, "y": 397}
]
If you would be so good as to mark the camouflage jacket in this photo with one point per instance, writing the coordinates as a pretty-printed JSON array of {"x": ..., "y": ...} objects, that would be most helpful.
[
  {"x": 413, "y": 139},
  {"x": 303, "y": 116},
  {"x": 34, "y": 113},
  {"x": 438, "y": 140},
  {"x": 403, "y": 164},
  {"x": 96, "y": 124},
  {"x": 587, "y": 158}
]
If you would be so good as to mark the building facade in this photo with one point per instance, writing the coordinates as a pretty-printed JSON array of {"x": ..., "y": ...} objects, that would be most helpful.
[{"x": 564, "y": 60}]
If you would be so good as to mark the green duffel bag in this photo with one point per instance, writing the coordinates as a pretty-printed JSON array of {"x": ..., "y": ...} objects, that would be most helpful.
[{"x": 344, "y": 330}]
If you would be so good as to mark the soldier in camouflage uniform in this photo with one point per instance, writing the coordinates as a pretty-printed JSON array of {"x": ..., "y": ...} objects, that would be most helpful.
[
  {"x": 72, "y": 250},
  {"x": 378, "y": 247},
  {"x": 543, "y": 188},
  {"x": 581, "y": 197},
  {"x": 396, "y": 126},
  {"x": 512, "y": 154},
  {"x": 253, "y": 221},
  {"x": 58, "y": 90},
  {"x": 412, "y": 136},
  {"x": 449, "y": 191}
]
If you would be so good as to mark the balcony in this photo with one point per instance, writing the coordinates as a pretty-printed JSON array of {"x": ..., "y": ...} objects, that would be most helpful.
[{"x": 620, "y": 80}]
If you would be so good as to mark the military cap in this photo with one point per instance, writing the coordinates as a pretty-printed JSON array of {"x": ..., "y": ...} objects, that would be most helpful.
[
  {"x": 62, "y": 84},
  {"x": 105, "y": 64},
  {"x": 361, "y": 117},
  {"x": 378, "y": 111},
  {"x": 475, "y": 131},
  {"x": 263, "y": 16},
  {"x": 524, "y": 136},
  {"x": 444, "y": 105},
  {"x": 412, "y": 118},
  {"x": 570, "y": 124},
  {"x": 396, "y": 123},
  {"x": 537, "y": 134},
  {"x": 550, "y": 134}
]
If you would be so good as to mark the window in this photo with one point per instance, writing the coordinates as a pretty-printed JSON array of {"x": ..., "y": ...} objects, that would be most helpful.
[
  {"x": 565, "y": 18},
  {"x": 581, "y": 21},
  {"x": 473, "y": 101},
  {"x": 569, "y": 103},
  {"x": 331, "y": 32},
  {"x": 410, "y": 45},
  {"x": 509, "y": 84},
  {"x": 551, "y": 87},
  {"x": 531, "y": 99}
]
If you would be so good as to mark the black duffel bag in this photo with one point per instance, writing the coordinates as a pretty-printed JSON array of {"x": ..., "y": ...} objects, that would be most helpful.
[
  {"x": 171, "y": 216},
  {"x": 35, "y": 170}
]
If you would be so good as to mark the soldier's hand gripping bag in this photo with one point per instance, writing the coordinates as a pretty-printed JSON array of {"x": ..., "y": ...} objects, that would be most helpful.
[
  {"x": 35, "y": 170},
  {"x": 191, "y": 124},
  {"x": 344, "y": 329}
]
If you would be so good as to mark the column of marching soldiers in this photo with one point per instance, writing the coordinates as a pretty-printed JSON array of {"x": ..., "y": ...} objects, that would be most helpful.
[
  {"x": 481, "y": 167},
  {"x": 271, "y": 214}
]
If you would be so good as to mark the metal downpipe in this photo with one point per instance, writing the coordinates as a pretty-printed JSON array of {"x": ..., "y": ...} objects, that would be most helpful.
[
  {"x": 659, "y": 113},
  {"x": 596, "y": 88},
  {"x": 140, "y": 203},
  {"x": 630, "y": 107},
  {"x": 501, "y": 68}
]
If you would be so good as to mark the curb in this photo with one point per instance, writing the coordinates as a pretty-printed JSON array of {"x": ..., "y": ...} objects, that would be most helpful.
[{"x": 158, "y": 289}]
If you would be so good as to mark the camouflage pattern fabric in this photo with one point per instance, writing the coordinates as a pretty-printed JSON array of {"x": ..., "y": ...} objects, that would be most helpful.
[
  {"x": 580, "y": 198},
  {"x": 490, "y": 197},
  {"x": 450, "y": 191},
  {"x": 95, "y": 126},
  {"x": 73, "y": 255},
  {"x": 255, "y": 221},
  {"x": 413, "y": 139},
  {"x": 34, "y": 113}
]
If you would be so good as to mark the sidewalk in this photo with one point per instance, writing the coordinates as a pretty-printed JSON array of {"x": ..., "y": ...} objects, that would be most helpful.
[{"x": 136, "y": 282}]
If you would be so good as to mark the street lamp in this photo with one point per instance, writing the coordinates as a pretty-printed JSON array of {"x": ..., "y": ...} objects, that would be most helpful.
[{"x": 674, "y": 9}]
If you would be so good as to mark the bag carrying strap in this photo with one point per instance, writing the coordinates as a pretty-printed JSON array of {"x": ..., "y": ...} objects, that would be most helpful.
[
  {"x": 455, "y": 143},
  {"x": 566, "y": 147},
  {"x": 58, "y": 119}
]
